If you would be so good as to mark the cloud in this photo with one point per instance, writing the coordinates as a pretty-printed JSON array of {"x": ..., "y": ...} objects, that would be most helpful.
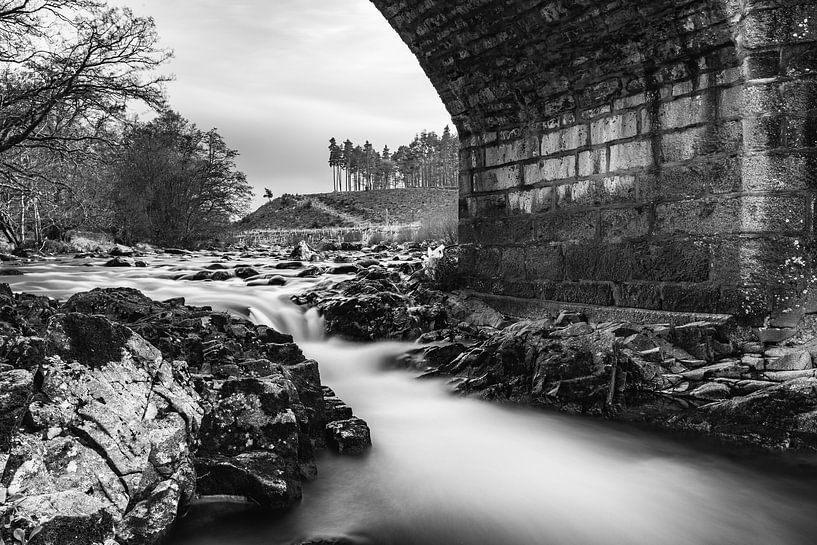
[{"x": 279, "y": 78}]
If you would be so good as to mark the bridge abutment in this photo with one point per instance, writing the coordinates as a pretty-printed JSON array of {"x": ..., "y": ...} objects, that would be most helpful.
[{"x": 653, "y": 154}]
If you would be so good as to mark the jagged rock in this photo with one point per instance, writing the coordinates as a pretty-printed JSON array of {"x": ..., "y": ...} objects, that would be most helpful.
[
  {"x": 779, "y": 417},
  {"x": 303, "y": 252},
  {"x": 787, "y": 359},
  {"x": 310, "y": 272},
  {"x": 121, "y": 251},
  {"x": 712, "y": 391},
  {"x": 106, "y": 387},
  {"x": 263, "y": 476},
  {"x": 16, "y": 388},
  {"x": 336, "y": 409},
  {"x": 350, "y": 436},
  {"x": 252, "y": 414},
  {"x": 727, "y": 369},
  {"x": 475, "y": 312},
  {"x": 702, "y": 340}
]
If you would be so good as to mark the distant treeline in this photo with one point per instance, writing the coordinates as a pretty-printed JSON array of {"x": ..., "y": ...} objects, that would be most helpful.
[{"x": 430, "y": 160}]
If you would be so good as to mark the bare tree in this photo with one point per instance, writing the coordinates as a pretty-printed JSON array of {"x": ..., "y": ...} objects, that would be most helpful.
[{"x": 68, "y": 69}]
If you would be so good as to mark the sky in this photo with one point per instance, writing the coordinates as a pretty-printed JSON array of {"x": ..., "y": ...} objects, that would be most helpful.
[{"x": 278, "y": 78}]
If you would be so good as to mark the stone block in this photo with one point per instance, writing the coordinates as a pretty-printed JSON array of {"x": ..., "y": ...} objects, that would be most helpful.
[
  {"x": 639, "y": 295},
  {"x": 615, "y": 189},
  {"x": 686, "y": 111},
  {"x": 522, "y": 202},
  {"x": 509, "y": 152},
  {"x": 802, "y": 132},
  {"x": 544, "y": 262},
  {"x": 576, "y": 194},
  {"x": 592, "y": 293},
  {"x": 700, "y": 141},
  {"x": 731, "y": 102},
  {"x": 622, "y": 223},
  {"x": 691, "y": 298},
  {"x": 614, "y": 127},
  {"x": 513, "y": 264},
  {"x": 593, "y": 162},
  {"x": 763, "y": 133},
  {"x": 565, "y": 226},
  {"x": 497, "y": 179},
  {"x": 487, "y": 206},
  {"x": 564, "y": 140},
  {"x": 548, "y": 170},
  {"x": 631, "y": 155},
  {"x": 774, "y": 172}
]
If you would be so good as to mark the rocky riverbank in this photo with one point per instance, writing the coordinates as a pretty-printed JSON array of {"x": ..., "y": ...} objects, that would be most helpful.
[
  {"x": 117, "y": 410},
  {"x": 707, "y": 378}
]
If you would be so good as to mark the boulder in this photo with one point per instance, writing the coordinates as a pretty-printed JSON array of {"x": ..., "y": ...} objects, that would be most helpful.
[
  {"x": 268, "y": 479},
  {"x": 303, "y": 252},
  {"x": 245, "y": 272},
  {"x": 119, "y": 262},
  {"x": 351, "y": 436},
  {"x": 112, "y": 421}
]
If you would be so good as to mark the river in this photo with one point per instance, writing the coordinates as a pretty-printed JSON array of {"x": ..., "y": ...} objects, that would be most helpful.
[{"x": 446, "y": 470}]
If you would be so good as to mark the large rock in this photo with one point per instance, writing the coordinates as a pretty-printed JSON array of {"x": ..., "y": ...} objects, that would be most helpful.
[
  {"x": 350, "y": 436},
  {"x": 268, "y": 479},
  {"x": 111, "y": 426}
]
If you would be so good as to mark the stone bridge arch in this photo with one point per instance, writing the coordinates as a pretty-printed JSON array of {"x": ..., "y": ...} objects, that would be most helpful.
[{"x": 656, "y": 154}]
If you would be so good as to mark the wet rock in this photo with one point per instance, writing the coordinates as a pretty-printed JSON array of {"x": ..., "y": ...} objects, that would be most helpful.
[
  {"x": 252, "y": 414},
  {"x": 245, "y": 272},
  {"x": 119, "y": 262},
  {"x": 303, "y": 252},
  {"x": 268, "y": 479},
  {"x": 350, "y": 436},
  {"x": 336, "y": 409},
  {"x": 289, "y": 265},
  {"x": 121, "y": 251},
  {"x": 220, "y": 276},
  {"x": 310, "y": 272},
  {"x": 343, "y": 269},
  {"x": 11, "y": 272},
  {"x": 779, "y": 417}
]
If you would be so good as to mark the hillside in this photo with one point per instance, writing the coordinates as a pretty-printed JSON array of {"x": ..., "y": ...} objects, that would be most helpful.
[{"x": 393, "y": 206}]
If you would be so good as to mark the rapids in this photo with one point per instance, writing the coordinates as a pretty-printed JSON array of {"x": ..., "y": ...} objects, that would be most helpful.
[{"x": 445, "y": 470}]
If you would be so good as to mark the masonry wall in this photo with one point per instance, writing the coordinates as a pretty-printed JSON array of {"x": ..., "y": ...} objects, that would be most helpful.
[{"x": 643, "y": 153}]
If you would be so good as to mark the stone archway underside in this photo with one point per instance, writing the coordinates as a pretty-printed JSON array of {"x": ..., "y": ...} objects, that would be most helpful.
[{"x": 655, "y": 154}]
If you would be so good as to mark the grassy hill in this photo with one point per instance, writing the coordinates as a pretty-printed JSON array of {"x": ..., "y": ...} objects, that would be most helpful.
[
  {"x": 287, "y": 212},
  {"x": 323, "y": 210}
]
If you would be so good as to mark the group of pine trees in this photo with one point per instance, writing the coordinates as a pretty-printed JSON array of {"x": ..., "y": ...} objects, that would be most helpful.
[{"x": 430, "y": 160}]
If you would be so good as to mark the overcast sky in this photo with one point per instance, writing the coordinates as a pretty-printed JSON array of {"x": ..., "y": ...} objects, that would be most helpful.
[{"x": 278, "y": 78}]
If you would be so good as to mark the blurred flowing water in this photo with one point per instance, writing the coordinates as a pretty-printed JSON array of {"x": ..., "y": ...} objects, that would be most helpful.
[{"x": 445, "y": 470}]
